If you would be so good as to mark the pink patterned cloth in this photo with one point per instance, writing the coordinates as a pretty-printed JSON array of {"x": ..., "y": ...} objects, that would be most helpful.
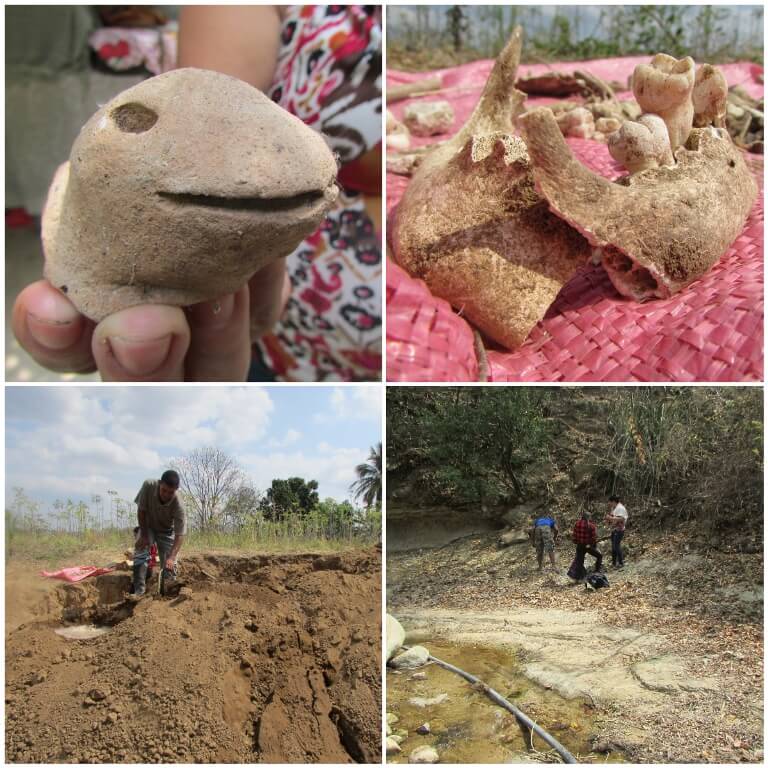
[
  {"x": 122, "y": 49},
  {"x": 329, "y": 75},
  {"x": 76, "y": 573},
  {"x": 711, "y": 331}
]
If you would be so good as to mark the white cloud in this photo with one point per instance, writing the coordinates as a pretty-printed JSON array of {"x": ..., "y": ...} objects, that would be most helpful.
[
  {"x": 67, "y": 407},
  {"x": 67, "y": 442},
  {"x": 101, "y": 449},
  {"x": 79, "y": 486},
  {"x": 194, "y": 416},
  {"x": 291, "y": 437},
  {"x": 333, "y": 468},
  {"x": 358, "y": 402},
  {"x": 81, "y": 440}
]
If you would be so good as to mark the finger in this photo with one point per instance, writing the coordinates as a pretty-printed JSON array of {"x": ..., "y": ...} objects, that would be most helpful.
[
  {"x": 146, "y": 343},
  {"x": 270, "y": 289},
  {"x": 221, "y": 339},
  {"x": 50, "y": 328}
]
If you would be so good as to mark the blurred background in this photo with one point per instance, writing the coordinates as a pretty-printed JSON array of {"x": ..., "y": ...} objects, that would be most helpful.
[
  {"x": 61, "y": 64},
  {"x": 435, "y": 36}
]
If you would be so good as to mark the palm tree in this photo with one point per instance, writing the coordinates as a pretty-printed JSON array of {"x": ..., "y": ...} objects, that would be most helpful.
[{"x": 368, "y": 483}]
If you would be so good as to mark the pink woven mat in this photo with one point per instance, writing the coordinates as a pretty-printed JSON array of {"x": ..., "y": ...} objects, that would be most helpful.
[{"x": 711, "y": 331}]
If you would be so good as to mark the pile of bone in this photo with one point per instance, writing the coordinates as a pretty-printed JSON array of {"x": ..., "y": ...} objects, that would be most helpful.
[{"x": 499, "y": 218}]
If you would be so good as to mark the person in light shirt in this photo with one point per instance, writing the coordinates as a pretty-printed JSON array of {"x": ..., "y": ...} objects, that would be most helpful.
[{"x": 617, "y": 519}]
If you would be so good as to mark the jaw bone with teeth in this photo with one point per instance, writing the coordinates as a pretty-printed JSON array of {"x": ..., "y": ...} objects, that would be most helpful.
[
  {"x": 179, "y": 190},
  {"x": 658, "y": 230},
  {"x": 472, "y": 226}
]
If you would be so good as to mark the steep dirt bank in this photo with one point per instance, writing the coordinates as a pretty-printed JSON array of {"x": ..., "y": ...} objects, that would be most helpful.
[
  {"x": 260, "y": 659},
  {"x": 670, "y": 655}
]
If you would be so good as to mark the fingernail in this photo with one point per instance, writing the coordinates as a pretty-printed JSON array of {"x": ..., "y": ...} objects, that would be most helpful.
[
  {"x": 58, "y": 330},
  {"x": 140, "y": 357},
  {"x": 216, "y": 314}
]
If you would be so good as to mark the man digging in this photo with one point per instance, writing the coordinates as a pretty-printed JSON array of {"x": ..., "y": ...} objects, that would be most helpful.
[{"x": 162, "y": 521}]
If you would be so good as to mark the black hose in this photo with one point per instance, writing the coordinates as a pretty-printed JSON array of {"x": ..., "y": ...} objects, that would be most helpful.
[{"x": 522, "y": 718}]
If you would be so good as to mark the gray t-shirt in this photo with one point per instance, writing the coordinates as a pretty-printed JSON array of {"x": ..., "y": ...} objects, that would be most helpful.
[{"x": 161, "y": 517}]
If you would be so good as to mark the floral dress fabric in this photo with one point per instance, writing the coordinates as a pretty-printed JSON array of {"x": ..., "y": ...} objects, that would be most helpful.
[{"x": 329, "y": 75}]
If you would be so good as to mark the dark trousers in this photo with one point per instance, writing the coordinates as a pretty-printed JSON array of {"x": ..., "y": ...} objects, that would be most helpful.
[
  {"x": 581, "y": 552},
  {"x": 617, "y": 556},
  {"x": 164, "y": 541}
]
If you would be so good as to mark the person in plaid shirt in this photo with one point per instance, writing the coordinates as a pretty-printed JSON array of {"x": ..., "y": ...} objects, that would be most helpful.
[{"x": 585, "y": 537}]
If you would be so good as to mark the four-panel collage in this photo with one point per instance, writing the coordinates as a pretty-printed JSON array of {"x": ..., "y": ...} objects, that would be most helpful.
[{"x": 384, "y": 384}]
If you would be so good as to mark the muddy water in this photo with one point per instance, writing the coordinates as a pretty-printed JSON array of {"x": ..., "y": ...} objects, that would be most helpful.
[
  {"x": 82, "y": 632},
  {"x": 468, "y": 727}
]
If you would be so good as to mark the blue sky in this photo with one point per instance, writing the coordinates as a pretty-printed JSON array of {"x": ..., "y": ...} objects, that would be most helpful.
[{"x": 71, "y": 442}]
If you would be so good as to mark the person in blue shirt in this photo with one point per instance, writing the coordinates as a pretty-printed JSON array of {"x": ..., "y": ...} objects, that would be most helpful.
[{"x": 545, "y": 533}]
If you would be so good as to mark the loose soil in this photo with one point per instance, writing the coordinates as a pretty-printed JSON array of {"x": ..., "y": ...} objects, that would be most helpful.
[
  {"x": 252, "y": 659},
  {"x": 669, "y": 657}
]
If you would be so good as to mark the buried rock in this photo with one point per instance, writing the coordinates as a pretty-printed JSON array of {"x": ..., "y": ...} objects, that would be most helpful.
[
  {"x": 416, "y": 656},
  {"x": 424, "y": 755},
  {"x": 179, "y": 190},
  {"x": 422, "y": 702}
]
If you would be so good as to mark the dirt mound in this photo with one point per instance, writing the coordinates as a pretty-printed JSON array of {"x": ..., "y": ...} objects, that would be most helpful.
[{"x": 261, "y": 659}]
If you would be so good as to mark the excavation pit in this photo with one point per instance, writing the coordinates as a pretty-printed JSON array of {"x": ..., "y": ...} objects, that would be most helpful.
[{"x": 255, "y": 659}]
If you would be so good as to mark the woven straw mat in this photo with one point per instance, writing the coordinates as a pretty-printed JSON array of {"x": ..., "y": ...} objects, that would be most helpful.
[{"x": 711, "y": 331}]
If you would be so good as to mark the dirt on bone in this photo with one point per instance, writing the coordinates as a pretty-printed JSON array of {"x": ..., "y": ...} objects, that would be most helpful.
[{"x": 256, "y": 659}]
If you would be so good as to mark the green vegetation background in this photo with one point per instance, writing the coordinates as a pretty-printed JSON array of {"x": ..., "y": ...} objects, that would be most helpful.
[{"x": 459, "y": 35}]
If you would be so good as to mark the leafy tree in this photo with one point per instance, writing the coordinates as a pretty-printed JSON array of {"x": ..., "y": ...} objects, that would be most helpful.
[
  {"x": 467, "y": 444},
  {"x": 25, "y": 512},
  {"x": 242, "y": 507},
  {"x": 81, "y": 516},
  {"x": 677, "y": 454},
  {"x": 335, "y": 517},
  {"x": 368, "y": 483},
  {"x": 98, "y": 514},
  {"x": 60, "y": 515},
  {"x": 457, "y": 25},
  {"x": 292, "y": 496}
]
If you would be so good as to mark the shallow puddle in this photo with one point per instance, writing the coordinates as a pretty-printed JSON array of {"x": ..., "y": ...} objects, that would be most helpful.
[
  {"x": 467, "y": 727},
  {"x": 82, "y": 632}
]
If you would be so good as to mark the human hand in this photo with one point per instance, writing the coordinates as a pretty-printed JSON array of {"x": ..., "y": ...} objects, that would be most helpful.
[
  {"x": 142, "y": 542},
  {"x": 170, "y": 563},
  {"x": 210, "y": 341}
]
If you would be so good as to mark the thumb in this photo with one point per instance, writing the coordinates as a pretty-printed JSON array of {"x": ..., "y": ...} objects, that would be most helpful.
[{"x": 146, "y": 343}]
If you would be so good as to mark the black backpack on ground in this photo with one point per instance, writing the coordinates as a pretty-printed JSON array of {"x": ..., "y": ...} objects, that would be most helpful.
[{"x": 596, "y": 580}]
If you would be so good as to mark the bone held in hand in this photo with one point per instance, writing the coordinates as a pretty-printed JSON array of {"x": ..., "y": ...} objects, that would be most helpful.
[
  {"x": 179, "y": 190},
  {"x": 660, "y": 229}
]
